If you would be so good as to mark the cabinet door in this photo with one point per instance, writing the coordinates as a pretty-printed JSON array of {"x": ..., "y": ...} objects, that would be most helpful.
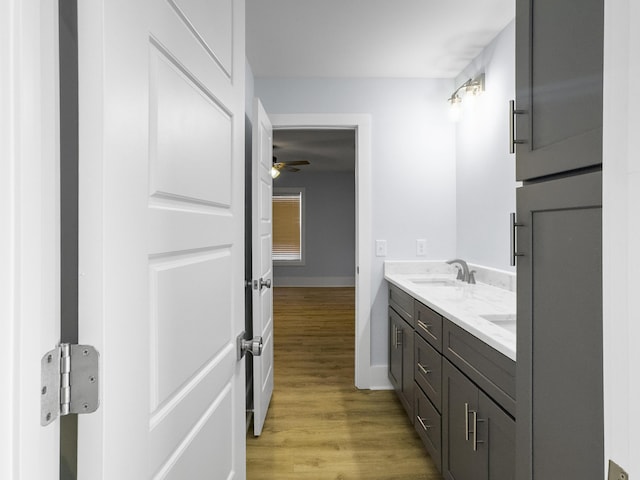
[
  {"x": 559, "y": 368},
  {"x": 406, "y": 338},
  {"x": 395, "y": 350},
  {"x": 559, "y": 48},
  {"x": 460, "y": 461},
  {"x": 499, "y": 429}
]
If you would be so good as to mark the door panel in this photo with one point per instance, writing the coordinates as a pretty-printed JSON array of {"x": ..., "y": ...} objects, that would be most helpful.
[
  {"x": 395, "y": 350},
  {"x": 262, "y": 151},
  {"x": 460, "y": 397},
  {"x": 499, "y": 429},
  {"x": 190, "y": 137},
  {"x": 162, "y": 236},
  {"x": 559, "y": 366},
  {"x": 559, "y": 58},
  {"x": 210, "y": 22}
]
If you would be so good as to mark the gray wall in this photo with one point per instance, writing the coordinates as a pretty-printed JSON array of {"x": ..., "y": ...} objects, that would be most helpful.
[
  {"x": 413, "y": 165},
  {"x": 485, "y": 179},
  {"x": 329, "y": 223}
]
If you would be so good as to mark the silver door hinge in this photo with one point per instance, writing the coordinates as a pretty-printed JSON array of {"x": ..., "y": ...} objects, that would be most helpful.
[{"x": 69, "y": 382}]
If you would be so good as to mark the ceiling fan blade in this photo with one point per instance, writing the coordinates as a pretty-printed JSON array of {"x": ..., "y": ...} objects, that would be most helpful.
[
  {"x": 290, "y": 169},
  {"x": 298, "y": 162}
]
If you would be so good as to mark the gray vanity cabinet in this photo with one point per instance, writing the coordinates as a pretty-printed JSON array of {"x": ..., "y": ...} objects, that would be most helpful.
[
  {"x": 395, "y": 350},
  {"x": 559, "y": 369},
  {"x": 559, "y": 57},
  {"x": 478, "y": 441},
  {"x": 401, "y": 344}
]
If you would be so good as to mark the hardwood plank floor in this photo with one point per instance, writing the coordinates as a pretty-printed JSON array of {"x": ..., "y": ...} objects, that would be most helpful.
[{"x": 319, "y": 426}]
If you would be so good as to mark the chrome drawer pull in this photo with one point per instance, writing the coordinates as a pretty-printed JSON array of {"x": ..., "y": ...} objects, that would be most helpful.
[
  {"x": 423, "y": 370},
  {"x": 424, "y": 425},
  {"x": 426, "y": 327}
]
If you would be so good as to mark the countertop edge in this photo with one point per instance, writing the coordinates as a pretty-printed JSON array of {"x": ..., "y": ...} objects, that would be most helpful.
[{"x": 479, "y": 328}]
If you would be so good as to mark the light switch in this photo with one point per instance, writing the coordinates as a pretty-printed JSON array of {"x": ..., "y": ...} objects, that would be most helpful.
[
  {"x": 381, "y": 248},
  {"x": 421, "y": 247}
]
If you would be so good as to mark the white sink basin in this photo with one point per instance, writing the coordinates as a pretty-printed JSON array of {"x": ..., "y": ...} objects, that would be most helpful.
[{"x": 508, "y": 321}]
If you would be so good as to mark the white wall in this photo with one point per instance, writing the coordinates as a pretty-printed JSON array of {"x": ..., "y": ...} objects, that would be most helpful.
[
  {"x": 330, "y": 230},
  {"x": 413, "y": 165},
  {"x": 621, "y": 234},
  {"x": 486, "y": 187}
]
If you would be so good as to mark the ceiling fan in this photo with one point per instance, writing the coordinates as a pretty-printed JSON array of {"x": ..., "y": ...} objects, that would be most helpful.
[{"x": 278, "y": 167}]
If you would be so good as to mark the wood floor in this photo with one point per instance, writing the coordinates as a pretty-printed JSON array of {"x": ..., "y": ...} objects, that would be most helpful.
[{"x": 319, "y": 425}]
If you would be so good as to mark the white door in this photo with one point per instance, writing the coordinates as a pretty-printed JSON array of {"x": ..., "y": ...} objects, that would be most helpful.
[
  {"x": 29, "y": 233},
  {"x": 161, "y": 236},
  {"x": 262, "y": 267}
]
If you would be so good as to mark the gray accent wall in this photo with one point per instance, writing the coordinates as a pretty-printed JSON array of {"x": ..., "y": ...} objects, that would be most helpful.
[{"x": 329, "y": 223}]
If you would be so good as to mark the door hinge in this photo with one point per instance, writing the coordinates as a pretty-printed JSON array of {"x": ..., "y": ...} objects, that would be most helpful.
[{"x": 69, "y": 382}]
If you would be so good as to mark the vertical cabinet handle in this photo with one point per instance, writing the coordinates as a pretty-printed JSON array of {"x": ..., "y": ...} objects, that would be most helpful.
[
  {"x": 466, "y": 421},
  {"x": 512, "y": 231},
  {"x": 399, "y": 333},
  {"x": 476, "y": 420},
  {"x": 467, "y": 431},
  {"x": 512, "y": 126},
  {"x": 396, "y": 332},
  {"x": 395, "y": 336}
]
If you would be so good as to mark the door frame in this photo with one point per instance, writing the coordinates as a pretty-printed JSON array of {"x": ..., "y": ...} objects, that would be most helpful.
[
  {"x": 30, "y": 225},
  {"x": 361, "y": 124}
]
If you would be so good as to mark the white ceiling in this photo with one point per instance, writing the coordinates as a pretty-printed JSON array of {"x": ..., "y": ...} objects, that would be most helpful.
[{"x": 370, "y": 38}]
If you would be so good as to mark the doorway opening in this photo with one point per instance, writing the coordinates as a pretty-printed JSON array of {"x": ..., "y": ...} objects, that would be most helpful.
[{"x": 360, "y": 127}]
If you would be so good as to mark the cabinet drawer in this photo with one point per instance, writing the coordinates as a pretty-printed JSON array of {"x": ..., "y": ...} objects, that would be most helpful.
[
  {"x": 428, "y": 423},
  {"x": 492, "y": 371},
  {"x": 429, "y": 325},
  {"x": 427, "y": 370},
  {"x": 402, "y": 303}
]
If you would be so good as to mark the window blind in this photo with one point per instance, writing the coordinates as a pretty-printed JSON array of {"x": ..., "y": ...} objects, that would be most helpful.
[{"x": 287, "y": 226}]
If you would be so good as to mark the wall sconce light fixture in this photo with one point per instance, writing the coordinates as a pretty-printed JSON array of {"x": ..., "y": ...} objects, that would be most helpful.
[{"x": 472, "y": 88}]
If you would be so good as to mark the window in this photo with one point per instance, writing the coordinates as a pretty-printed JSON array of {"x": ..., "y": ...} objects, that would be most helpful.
[{"x": 288, "y": 238}]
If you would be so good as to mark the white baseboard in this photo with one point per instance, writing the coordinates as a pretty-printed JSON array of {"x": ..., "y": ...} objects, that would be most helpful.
[
  {"x": 380, "y": 378},
  {"x": 314, "y": 281}
]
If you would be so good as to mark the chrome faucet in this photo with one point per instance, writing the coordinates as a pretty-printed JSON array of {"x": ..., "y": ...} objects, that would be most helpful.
[{"x": 463, "y": 273}]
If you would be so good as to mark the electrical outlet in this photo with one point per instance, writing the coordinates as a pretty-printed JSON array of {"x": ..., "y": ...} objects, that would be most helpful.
[
  {"x": 421, "y": 247},
  {"x": 381, "y": 248},
  {"x": 616, "y": 472}
]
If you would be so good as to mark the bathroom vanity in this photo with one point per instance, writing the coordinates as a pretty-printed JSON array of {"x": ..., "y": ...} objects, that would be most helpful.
[{"x": 452, "y": 363}]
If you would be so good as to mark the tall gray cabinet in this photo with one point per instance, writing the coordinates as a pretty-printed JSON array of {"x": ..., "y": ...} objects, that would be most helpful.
[{"x": 558, "y": 140}]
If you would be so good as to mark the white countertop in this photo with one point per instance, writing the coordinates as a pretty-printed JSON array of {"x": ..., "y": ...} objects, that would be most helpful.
[{"x": 461, "y": 303}]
